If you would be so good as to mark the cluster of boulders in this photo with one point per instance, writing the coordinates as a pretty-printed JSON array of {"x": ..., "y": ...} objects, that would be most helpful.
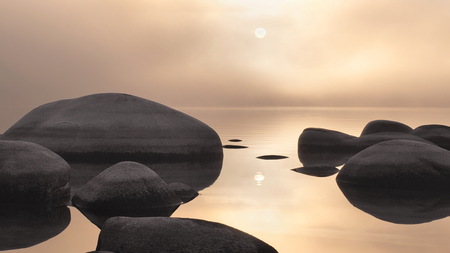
[
  {"x": 387, "y": 155},
  {"x": 66, "y": 139}
]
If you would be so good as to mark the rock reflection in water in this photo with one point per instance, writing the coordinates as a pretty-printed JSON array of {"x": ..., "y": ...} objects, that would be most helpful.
[
  {"x": 26, "y": 226},
  {"x": 197, "y": 174},
  {"x": 399, "y": 206}
]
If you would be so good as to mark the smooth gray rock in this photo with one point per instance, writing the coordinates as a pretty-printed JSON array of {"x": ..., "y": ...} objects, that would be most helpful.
[
  {"x": 126, "y": 186},
  {"x": 32, "y": 175},
  {"x": 161, "y": 234},
  {"x": 322, "y": 146},
  {"x": 318, "y": 170},
  {"x": 26, "y": 226},
  {"x": 438, "y": 134},
  {"x": 402, "y": 164},
  {"x": 380, "y": 126},
  {"x": 397, "y": 205},
  {"x": 116, "y": 127}
]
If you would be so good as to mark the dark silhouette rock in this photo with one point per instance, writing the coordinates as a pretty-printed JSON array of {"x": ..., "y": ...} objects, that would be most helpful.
[
  {"x": 234, "y": 146},
  {"x": 26, "y": 226},
  {"x": 126, "y": 189},
  {"x": 235, "y": 140},
  {"x": 438, "y": 134},
  {"x": 402, "y": 164},
  {"x": 32, "y": 174},
  {"x": 317, "y": 170},
  {"x": 116, "y": 127},
  {"x": 321, "y": 146},
  {"x": 397, "y": 205},
  {"x": 183, "y": 191},
  {"x": 272, "y": 157},
  {"x": 161, "y": 234},
  {"x": 381, "y": 126}
]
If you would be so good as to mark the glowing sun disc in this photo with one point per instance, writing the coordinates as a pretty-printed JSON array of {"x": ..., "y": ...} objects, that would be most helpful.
[{"x": 260, "y": 33}]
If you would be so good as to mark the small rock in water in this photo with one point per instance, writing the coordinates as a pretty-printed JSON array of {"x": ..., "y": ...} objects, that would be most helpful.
[
  {"x": 272, "y": 157},
  {"x": 235, "y": 140},
  {"x": 319, "y": 170},
  {"x": 234, "y": 146}
]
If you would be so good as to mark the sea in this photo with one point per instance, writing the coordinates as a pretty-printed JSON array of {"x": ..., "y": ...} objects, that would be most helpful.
[{"x": 291, "y": 211}]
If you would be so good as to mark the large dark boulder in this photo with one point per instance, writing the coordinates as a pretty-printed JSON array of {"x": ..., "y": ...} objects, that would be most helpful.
[
  {"x": 398, "y": 205},
  {"x": 26, "y": 226},
  {"x": 403, "y": 164},
  {"x": 32, "y": 175},
  {"x": 116, "y": 127},
  {"x": 128, "y": 189},
  {"x": 328, "y": 147},
  {"x": 381, "y": 126},
  {"x": 161, "y": 234},
  {"x": 438, "y": 134}
]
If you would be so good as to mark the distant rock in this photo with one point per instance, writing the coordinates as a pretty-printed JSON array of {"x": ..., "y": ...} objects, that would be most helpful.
[
  {"x": 272, "y": 157},
  {"x": 403, "y": 164},
  {"x": 381, "y": 126},
  {"x": 322, "y": 146},
  {"x": 234, "y": 146},
  {"x": 235, "y": 140},
  {"x": 397, "y": 205},
  {"x": 183, "y": 191},
  {"x": 438, "y": 134},
  {"x": 32, "y": 175},
  {"x": 319, "y": 170},
  {"x": 26, "y": 226},
  {"x": 116, "y": 127},
  {"x": 126, "y": 189},
  {"x": 161, "y": 234}
]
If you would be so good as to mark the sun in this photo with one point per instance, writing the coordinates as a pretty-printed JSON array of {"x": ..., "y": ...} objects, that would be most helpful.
[{"x": 260, "y": 33}]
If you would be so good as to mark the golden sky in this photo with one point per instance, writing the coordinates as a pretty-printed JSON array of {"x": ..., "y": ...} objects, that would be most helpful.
[{"x": 205, "y": 52}]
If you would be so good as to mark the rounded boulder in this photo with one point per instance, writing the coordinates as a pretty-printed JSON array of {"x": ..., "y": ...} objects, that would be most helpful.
[
  {"x": 380, "y": 126},
  {"x": 32, "y": 175}
]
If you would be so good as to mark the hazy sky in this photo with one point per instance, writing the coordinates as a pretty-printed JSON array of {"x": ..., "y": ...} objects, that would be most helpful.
[{"x": 205, "y": 53}]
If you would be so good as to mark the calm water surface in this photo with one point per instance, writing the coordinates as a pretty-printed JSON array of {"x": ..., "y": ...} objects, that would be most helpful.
[{"x": 292, "y": 212}]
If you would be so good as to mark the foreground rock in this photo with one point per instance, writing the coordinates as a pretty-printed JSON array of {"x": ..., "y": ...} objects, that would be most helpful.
[
  {"x": 183, "y": 191},
  {"x": 381, "y": 126},
  {"x": 397, "y": 205},
  {"x": 322, "y": 146},
  {"x": 116, "y": 127},
  {"x": 32, "y": 175},
  {"x": 128, "y": 189},
  {"x": 26, "y": 226},
  {"x": 438, "y": 134},
  {"x": 400, "y": 164},
  {"x": 161, "y": 234}
]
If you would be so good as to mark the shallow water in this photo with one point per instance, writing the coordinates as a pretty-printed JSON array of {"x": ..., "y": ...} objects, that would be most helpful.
[{"x": 291, "y": 211}]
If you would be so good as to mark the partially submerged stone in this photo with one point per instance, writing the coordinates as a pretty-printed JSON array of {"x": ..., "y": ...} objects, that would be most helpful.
[
  {"x": 183, "y": 191},
  {"x": 162, "y": 234},
  {"x": 32, "y": 175},
  {"x": 319, "y": 170},
  {"x": 234, "y": 146},
  {"x": 272, "y": 157},
  {"x": 116, "y": 127},
  {"x": 129, "y": 189},
  {"x": 381, "y": 126},
  {"x": 438, "y": 134},
  {"x": 403, "y": 164}
]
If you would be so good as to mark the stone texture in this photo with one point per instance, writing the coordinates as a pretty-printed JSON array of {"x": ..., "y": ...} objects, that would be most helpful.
[
  {"x": 438, "y": 134},
  {"x": 381, "y": 126},
  {"x": 32, "y": 175},
  {"x": 161, "y": 234}
]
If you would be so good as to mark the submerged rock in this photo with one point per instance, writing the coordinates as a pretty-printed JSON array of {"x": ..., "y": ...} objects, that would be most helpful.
[
  {"x": 26, "y": 226},
  {"x": 397, "y": 205},
  {"x": 234, "y": 146},
  {"x": 235, "y": 140},
  {"x": 402, "y": 164},
  {"x": 128, "y": 189},
  {"x": 272, "y": 157},
  {"x": 161, "y": 234},
  {"x": 438, "y": 134},
  {"x": 317, "y": 170},
  {"x": 32, "y": 175},
  {"x": 116, "y": 127},
  {"x": 381, "y": 126}
]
